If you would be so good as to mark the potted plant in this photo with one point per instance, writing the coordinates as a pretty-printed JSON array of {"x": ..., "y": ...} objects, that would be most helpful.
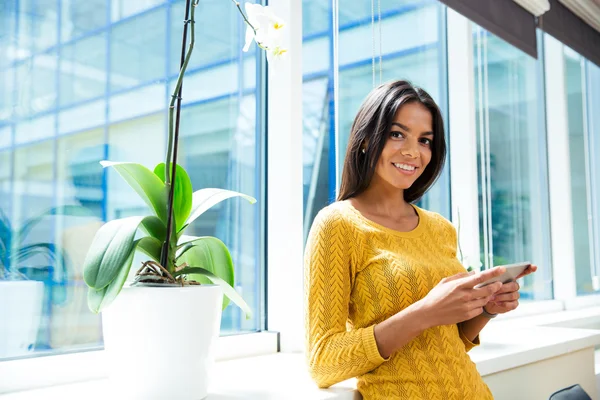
[
  {"x": 160, "y": 330},
  {"x": 22, "y": 282}
]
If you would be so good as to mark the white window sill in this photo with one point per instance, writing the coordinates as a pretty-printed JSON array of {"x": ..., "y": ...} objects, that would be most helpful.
[
  {"x": 54, "y": 370},
  {"x": 505, "y": 345}
]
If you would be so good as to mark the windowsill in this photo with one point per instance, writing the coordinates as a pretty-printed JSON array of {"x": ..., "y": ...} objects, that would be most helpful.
[
  {"x": 61, "y": 370},
  {"x": 505, "y": 345}
]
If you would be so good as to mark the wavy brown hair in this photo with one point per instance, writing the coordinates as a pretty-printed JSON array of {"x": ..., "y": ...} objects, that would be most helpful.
[{"x": 371, "y": 128}]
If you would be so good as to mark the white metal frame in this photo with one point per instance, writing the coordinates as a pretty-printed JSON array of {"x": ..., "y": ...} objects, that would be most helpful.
[
  {"x": 285, "y": 239},
  {"x": 559, "y": 173},
  {"x": 463, "y": 141}
]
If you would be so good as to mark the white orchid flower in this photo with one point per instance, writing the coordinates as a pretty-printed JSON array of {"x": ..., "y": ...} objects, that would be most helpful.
[{"x": 266, "y": 29}]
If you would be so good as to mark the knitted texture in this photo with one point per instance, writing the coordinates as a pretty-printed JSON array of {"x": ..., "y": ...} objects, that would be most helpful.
[{"x": 359, "y": 273}]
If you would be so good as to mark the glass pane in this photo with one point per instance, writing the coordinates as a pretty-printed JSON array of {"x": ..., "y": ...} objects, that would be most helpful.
[
  {"x": 593, "y": 104},
  {"x": 574, "y": 78},
  {"x": 137, "y": 52},
  {"x": 125, "y": 8},
  {"x": 417, "y": 55},
  {"x": 37, "y": 24},
  {"x": 513, "y": 188},
  {"x": 316, "y": 17},
  {"x": 83, "y": 70},
  {"x": 8, "y": 36},
  {"x": 214, "y": 42},
  {"x": 218, "y": 149},
  {"x": 36, "y": 86},
  {"x": 81, "y": 17},
  {"x": 79, "y": 182},
  {"x": 8, "y": 93},
  {"x": 353, "y": 12},
  {"x": 315, "y": 155},
  {"x": 64, "y": 121},
  {"x": 32, "y": 255},
  {"x": 317, "y": 97}
]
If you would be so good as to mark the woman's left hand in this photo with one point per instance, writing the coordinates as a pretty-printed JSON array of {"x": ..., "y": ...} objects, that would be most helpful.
[{"x": 507, "y": 298}]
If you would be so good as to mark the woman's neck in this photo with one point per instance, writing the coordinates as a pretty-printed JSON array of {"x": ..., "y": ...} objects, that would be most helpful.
[{"x": 385, "y": 201}]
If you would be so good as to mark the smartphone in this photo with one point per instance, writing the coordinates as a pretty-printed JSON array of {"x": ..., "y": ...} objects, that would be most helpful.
[{"x": 511, "y": 273}]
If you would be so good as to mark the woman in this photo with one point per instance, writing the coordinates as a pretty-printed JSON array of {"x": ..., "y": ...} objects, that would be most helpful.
[{"x": 387, "y": 301}]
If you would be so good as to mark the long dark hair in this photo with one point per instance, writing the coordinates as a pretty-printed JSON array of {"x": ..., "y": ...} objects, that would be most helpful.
[{"x": 371, "y": 127}]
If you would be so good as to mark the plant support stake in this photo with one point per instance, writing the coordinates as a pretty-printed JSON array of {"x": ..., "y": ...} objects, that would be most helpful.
[{"x": 174, "y": 133}]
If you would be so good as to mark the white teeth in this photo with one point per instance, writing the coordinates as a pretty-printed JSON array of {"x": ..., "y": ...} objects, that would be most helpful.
[{"x": 405, "y": 167}]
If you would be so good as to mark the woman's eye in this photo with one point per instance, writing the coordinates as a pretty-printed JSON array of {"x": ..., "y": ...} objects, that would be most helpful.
[
  {"x": 396, "y": 134},
  {"x": 426, "y": 141}
]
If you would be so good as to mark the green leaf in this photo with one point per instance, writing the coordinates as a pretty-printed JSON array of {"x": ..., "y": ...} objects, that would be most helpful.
[
  {"x": 147, "y": 185},
  {"x": 183, "y": 239},
  {"x": 211, "y": 254},
  {"x": 111, "y": 246},
  {"x": 228, "y": 290},
  {"x": 155, "y": 228},
  {"x": 204, "y": 199},
  {"x": 182, "y": 196},
  {"x": 100, "y": 299},
  {"x": 150, "y": 246}
]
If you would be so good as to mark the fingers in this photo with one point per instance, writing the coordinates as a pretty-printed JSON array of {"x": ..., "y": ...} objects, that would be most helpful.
[
  {"x": 529, "y": 270},
  {"x": 478, "y": 303},
  {"x": 457, "y": 276},
  {"x": 509, "y": 287},
  {"x": 506, "y": 306},
  {"x": 506, "y": 297},
  {"x": 487, "y": 291},
  {"x": 476, "y": 279}
]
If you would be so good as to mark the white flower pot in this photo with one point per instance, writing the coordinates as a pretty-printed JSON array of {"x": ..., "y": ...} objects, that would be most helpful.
[
  {"x": 160, "y": 341},
  {"x": 20, "y": 315}
]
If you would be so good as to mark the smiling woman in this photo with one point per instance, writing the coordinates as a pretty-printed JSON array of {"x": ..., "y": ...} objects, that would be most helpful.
[
  {"x": 387, "y": 300},
  {"x": 409, "y": 117}
]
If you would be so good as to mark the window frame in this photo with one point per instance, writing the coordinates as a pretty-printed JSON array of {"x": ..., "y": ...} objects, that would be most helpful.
[{"x": 282, "y": 115}]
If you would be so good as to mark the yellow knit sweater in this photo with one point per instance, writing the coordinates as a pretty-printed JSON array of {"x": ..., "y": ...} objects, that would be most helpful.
[{"x": 359, "y": 273}]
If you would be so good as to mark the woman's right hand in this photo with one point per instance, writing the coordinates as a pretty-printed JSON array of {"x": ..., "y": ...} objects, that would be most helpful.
[{"x": 455, "y": 299}]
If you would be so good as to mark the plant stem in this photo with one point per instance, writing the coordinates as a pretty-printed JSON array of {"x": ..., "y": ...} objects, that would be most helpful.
[
  {"x": 174, "y": 134},
  {"x": 237, "y": 4}
]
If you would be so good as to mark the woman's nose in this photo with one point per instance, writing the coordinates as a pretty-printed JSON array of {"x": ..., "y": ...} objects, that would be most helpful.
[{"x": 410, "y": 149}]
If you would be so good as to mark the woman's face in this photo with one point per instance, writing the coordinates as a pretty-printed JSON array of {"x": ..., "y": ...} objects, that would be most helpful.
[{"x": 407, "y": 150}]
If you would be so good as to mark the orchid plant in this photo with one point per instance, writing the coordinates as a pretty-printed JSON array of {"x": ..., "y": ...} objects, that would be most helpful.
[
  {"x": 264, "y": 28},
  {"x": 175, "y": 258}
]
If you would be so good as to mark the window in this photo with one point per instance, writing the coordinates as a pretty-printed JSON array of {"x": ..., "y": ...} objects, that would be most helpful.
[
  {"x": 581, "y": 184},
  {"x": 593, "y": 103},
  {"x": 413, "y": 47},
  {"x": 137, "y": 51},
  {"x": 101, "y": 92},
  {"x": 513, "y": 186}
]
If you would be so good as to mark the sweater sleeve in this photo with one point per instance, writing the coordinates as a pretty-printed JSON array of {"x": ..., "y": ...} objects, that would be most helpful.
[
  {"x": 469, "y": 345},
  {"x": 334, "y": 353}
]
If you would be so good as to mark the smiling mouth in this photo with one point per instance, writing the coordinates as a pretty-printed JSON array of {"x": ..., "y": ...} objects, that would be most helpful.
[{"x": 405, "y": 168}]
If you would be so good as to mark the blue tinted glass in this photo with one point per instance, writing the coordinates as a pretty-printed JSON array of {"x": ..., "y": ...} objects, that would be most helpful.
[
  {"x": 513, "y": 187},
  {"x": 138, "y": 50},
  {"x": 100, "y": 91}
]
